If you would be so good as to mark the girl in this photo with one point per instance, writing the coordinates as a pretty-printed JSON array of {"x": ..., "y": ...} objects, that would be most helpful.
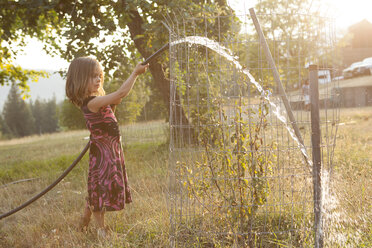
[{"x": 108, "y": 188}]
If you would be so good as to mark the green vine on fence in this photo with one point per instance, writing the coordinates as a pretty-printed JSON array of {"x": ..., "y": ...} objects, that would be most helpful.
[{"x": 229, "y": 177}]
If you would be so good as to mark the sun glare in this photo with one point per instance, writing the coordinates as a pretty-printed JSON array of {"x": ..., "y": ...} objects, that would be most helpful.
[
  {"x": 345, "y": 12},
  {"x": 348, "y": 12}
]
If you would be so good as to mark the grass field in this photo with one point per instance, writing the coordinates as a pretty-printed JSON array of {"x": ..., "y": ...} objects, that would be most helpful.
[
  {"x": 51, "y": 221},
  {"x": 351, "y": 220}
]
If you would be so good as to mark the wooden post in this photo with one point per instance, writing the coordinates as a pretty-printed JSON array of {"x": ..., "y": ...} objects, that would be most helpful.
[{"x": 317, "y": 162}]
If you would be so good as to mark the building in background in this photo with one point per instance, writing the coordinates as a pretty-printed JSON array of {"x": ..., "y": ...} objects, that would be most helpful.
[{"x": 360, "y": 46}]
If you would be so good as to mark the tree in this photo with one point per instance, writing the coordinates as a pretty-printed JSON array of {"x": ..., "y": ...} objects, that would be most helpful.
[
  {"x": 37, "y": 113},
  {"x": 51, "y": 116},
  {"x": 130, "y": 108},
  {"x": 17, "y": 114},
  {"x": 4, "y": 129},
  {"x": 45, "y": 116},
  {"x": 134, "y": 28},
  {"x": 70, "y": 117},
  {"x": 295, "y": 35},
  {"x": 18, "y": 20},
  {"x": 154, "y": 108}
]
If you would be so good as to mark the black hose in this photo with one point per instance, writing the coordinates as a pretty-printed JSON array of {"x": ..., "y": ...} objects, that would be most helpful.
[
  {"x": 149, "y": 59},
  {"x": 155, "y": 54},
  {"x": 50, "y": 186}
]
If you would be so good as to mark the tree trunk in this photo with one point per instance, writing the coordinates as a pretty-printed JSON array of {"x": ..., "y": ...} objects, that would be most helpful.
[{"x": 161, "y": 82}]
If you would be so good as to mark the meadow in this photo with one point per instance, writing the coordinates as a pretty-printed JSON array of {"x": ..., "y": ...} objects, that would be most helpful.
[{"x": 52, "y": 220}]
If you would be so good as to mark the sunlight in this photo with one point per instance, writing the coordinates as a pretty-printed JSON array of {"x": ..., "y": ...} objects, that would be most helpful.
[
  {"x": 34, "y": 57},
  {"x": 350, "y": 12},
  {"x": 345, "y": 12}
]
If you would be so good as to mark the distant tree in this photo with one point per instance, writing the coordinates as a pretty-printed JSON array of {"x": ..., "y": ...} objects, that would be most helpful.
[
  {"x": 45, "y": 116},
  {"x": 37, "y": 113},
  {"x": 295, "y": 35},
  {"x": 4, "y": 129},
  {"x": 17, "y": 114},
  {"x": 131, "y": 106},
  {"x": 117, "y": 33},
  {"x": 154, "y": 109},
  {"x": 50, "y": 116},
  {"x": 70, "y": 117}
]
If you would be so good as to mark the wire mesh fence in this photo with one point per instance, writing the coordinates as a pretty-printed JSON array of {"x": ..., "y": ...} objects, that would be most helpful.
[
  {"x": 153, "y": 132},
  {"x": 239, "y": 175}
]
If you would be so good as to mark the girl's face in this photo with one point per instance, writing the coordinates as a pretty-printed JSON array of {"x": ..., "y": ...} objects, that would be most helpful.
[{"x": 95, "y": 81}]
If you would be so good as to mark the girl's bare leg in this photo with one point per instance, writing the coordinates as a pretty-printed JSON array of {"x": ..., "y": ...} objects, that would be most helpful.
[
  {"x": 100, "y": 218},
  {"x": 85, "y": 219}
]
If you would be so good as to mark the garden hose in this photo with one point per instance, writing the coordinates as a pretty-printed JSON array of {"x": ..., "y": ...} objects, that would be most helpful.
[
  {"x": 15, "y": 210},
  {"x": 155, "y": 54}
]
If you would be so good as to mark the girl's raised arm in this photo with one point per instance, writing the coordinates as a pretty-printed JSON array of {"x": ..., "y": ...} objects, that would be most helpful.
[{"x": 115, "y": 97}]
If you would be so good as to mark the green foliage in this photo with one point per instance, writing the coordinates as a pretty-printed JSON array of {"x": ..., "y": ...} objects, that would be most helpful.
[
  {"x": 154, "y": 109},
  {"x": 11, "y": 73},
  {"x": 230, "y": 173},
  {"x": 131, "y": 106},
  {"x": 115, "y": 32},
  {"x": 296, "y": 36},
  {"x": 50, "y": 111},
  {"x": 22, "y": 119},
  {"x": 199, "y": 82},
  {"x": 45, "y": 116},
  {"x": 70, "y": 117},
  {"x": 17, "y": 115},
  {"x": 19, "y": 20},
  {"x": 4, "y": 129}
]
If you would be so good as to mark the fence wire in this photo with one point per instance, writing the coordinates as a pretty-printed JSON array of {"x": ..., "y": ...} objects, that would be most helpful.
[{"x": 237, "y": 176}]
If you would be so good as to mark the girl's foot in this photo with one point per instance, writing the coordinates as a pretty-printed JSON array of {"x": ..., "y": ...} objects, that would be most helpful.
[
  {"x": 83, "y": 224},
  {"x": 101, "y": 233}
]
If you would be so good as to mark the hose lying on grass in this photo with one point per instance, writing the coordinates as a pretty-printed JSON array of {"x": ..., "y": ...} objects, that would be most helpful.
[
  {"x": 15, "y": 210},
  {"x": 148, "y": 60}
]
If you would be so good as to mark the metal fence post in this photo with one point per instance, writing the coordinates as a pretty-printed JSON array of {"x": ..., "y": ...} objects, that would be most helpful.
[
  {"x": 317, "y": 163},
  {"x": 276, "y": 75}
]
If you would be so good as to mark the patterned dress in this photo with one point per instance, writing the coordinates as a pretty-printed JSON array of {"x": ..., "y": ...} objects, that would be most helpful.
[{"x": 107, "y": 179}]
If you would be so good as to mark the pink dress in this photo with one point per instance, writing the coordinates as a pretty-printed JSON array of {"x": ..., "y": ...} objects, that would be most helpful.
[{"x": 107, "y": 178}]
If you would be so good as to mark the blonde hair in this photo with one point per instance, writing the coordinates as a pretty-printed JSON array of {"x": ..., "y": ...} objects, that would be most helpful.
[{"x": 79, "y": 73}]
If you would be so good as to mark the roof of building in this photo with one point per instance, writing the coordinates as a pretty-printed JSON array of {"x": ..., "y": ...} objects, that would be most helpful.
[{"x": 364, "y": 24}]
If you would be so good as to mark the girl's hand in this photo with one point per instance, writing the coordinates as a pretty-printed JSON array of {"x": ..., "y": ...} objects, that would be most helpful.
[{"x": 140, "y": 69}]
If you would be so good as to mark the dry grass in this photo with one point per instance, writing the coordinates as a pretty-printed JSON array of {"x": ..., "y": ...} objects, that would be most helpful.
[
  {"x": 50, "y": 222},
  {"x": 351, "y": 218},
  {"x": 41, "y": 147}
]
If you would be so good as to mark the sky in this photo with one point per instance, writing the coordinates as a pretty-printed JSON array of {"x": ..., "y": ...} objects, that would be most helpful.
[
  {"x": 35, "y": 57},
  {"x": 345, "y": 12}
]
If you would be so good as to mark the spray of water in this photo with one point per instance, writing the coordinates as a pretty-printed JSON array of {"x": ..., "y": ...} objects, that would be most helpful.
[
  {"x": 335, "y": 217},
  {"x": 226, "y": 53},
  {"x": 329, "y": 201}
]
